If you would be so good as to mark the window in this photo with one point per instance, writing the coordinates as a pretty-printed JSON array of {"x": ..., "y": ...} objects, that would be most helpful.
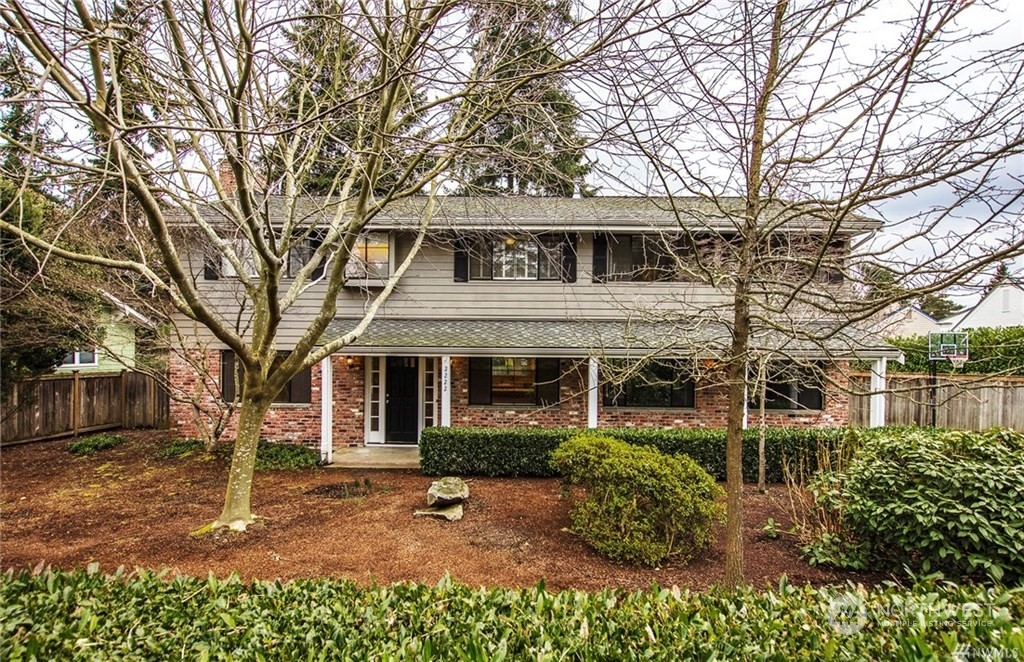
[
  {"x": 298, "y": 390},
  {"x": 217, "y": 266},
  {"x": 513, "y": 381},
  {"x": 81, "y": 357},
  {"x": 548, "y": 257},
  {"x": 639, "y": 257},
  {"x": 660, "y": 384},
  {"x": 371, "y": 258},
  {"x": 302, "y": 252},
  {"x": 793, "y": 387}
]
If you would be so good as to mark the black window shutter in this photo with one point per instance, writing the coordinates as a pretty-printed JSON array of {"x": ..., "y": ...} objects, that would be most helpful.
[
  {"x": 600, "y": 256},
  {"x": 315, "y": 242},
  {"x": 569, "y": 259},
  {"x": 211, "y": 263},
  {"x": 227, "y": 375},
  {"x": 547, "y": 375},
  {"x": 480, "y": 381},
  {"x": 301, "y": 387},
  {"x": 462, "y": 261}
]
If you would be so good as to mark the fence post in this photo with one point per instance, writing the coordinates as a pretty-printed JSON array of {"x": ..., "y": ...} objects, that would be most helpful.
[
  {"x": 75, "y": 408},
  {"x": 124, "y": 398},
  {"x": 151, "y": 381}
]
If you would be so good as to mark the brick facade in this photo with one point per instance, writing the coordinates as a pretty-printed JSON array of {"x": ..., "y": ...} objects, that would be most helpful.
[
  {"x": 193, "y": 403},
  {"x": 300, "y": 423}
]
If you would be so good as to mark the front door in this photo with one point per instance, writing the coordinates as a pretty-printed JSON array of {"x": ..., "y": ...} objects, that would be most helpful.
[{"x": 401, "y": 406}]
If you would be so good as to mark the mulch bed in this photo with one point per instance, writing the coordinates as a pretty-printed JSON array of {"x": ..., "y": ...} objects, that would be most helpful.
[{"x": 128, "y": 507}]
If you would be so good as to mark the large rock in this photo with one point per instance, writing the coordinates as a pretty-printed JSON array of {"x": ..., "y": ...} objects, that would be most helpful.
[
  {"x": 447, "y": 491},
  {"x": 451, "y": 512}
]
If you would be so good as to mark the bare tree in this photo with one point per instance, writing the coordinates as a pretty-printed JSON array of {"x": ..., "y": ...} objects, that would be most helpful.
[
  {"x": 787, "y": 116},
  {"x": 171, "y": 89}
]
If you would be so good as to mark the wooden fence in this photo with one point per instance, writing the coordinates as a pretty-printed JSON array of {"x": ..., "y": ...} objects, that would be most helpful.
[
  {"x": 69, "y": 405},
  {"x": 966, "y": 402}
]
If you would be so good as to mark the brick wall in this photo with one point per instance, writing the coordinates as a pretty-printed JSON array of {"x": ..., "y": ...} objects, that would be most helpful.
[
  {"x": 571, "y": 411},
  {"x": 349, "y": 400},
  {"x": 298, "y": 423},
  {"x": 301, "y": 423}
]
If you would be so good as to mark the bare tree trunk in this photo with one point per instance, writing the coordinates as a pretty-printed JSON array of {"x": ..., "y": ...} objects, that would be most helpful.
[
  {"x": 762, "y": 388},
  {"x": 734, "y": 439},
  {"x": 237, "y": 513}
]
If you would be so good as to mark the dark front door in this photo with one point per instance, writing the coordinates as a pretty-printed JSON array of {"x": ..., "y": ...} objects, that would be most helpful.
[{"x": 401, "y": 408}]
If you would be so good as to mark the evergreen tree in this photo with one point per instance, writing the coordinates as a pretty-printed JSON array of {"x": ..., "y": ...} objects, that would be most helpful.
[
  {"x": 48, "y": 307},
  {"x": 332, "y": 88},
  {"x": 1001, "y": 275},
  {"x": 533, "y": 147},
  {"x": 938, "y": 306}
]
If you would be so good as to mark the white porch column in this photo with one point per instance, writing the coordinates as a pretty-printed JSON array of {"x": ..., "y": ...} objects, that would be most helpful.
[
  {"x": 592, "y": 378},
  {"x": 876, "y": 406},
  {"x": 746, "y": 406},
  {"x": 446, "y": 391},
  {"x": 326, "y": 410}
]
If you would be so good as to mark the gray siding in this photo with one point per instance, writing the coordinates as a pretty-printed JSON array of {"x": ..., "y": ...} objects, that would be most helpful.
[{"x": 428, "y": 290}]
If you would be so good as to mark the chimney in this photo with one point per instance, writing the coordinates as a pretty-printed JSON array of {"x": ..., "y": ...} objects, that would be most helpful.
[{"x": 227, "y": 178}]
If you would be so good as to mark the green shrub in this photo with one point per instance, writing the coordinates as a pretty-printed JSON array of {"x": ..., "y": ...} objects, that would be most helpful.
[
  {"x": 278, "y": 456},
  {"x": 638, "y": 505},
  {"x": 94, "y": 444},
  {"x": 527, "y": 451},
  {"x": 181, "y": 448},
  {"x": 946, "y": 501},
  {"x": 77, "y": 615}
]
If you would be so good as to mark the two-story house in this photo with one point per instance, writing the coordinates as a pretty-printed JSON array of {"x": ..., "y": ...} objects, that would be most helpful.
[{"x": 535, "y": 311}]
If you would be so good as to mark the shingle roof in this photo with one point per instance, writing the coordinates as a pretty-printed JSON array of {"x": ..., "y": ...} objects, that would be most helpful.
[
  {"x": 606, "y": 213},
  {"x": 567, "y": 338}
]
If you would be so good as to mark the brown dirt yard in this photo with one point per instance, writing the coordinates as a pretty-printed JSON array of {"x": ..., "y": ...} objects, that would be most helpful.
[{"x": 128, "y": 507}]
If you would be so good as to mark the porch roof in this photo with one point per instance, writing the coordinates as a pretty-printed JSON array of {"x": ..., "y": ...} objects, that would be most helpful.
[{"x": 583, "y": 338}]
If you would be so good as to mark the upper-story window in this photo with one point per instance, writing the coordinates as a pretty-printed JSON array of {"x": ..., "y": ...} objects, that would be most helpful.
[
  {"x": 512, "y": 257},
  {"x": 640, "y": 257},
  {"x": 216, "y": 265},
  {"x": 370, "y": 258}
]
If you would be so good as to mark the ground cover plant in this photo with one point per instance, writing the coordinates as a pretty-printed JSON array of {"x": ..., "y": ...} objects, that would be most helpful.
[
  {"x": 94, "y": 444},
  {"x": 83, "y": 615},
  {"x": 270, "y": 455},
  {"x": 948, "y": 501},
  {"x": 635, "y": 504}
]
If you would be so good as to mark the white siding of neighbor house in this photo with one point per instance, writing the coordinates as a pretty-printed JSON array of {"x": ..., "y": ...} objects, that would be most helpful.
[
  {"x": 1004, "y": 306},
  {"x": 428, "y": 290}
]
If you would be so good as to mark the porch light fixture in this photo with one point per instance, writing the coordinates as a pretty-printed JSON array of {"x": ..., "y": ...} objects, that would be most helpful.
[
  {"x": 510, "y": 241},
  {"x": 349, "y": 361}
]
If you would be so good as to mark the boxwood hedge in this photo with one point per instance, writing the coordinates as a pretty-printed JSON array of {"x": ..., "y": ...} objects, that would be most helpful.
[
  {"x": 527, "y": 451},
  {"x": 83, "y": 615}
]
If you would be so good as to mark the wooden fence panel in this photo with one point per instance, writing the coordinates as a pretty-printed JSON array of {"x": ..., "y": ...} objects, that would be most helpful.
[
  {"x": 963, "y": 401},
  {"x": 60, "y": 406}
]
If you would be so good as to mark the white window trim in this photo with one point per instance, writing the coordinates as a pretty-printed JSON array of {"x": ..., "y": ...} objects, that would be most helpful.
[{"x": 79, "y": 364}]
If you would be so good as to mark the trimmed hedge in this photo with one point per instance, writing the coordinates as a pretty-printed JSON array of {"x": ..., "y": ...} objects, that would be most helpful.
[
  {"x": 527, "y": 451},
  {"x": 81, "y": 615}
]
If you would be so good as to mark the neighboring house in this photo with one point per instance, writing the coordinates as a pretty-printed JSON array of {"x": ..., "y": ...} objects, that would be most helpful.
[
  {"x": 907, "y": 320},
  {"x": 514, "y": 313},
  {"x": 116, "y": 351},
  {"x": 1002, "y": 307}
]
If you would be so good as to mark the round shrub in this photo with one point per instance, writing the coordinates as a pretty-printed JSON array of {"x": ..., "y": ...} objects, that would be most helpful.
[
  {"x": 635, "y": 504},
  {"x": 940, "y": 501}
]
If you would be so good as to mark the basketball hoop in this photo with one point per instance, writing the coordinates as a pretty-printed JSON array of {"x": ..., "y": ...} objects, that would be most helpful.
[{"x": 958, "y": 360}]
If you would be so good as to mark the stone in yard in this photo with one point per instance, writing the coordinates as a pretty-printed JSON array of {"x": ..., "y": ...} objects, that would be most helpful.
[
  {"x": 447, "y": 491},
  {"x": 451, "y": 512}
]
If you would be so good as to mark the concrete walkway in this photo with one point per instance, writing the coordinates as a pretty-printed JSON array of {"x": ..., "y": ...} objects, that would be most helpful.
[{"x": 376, "y": 457}]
